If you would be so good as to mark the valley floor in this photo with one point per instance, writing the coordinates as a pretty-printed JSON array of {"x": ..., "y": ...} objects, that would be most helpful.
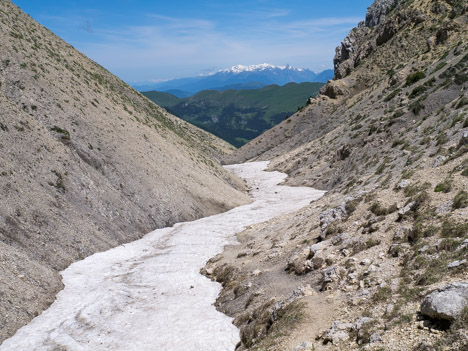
[{"x": 150, "y": 295}]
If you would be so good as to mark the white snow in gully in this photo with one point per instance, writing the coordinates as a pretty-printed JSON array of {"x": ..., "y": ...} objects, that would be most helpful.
[{"x": 149, "y": 294}]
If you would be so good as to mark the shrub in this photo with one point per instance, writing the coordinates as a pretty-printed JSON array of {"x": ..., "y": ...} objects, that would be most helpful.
[
  {"x": 460, "y": 200},
  {"x": 444, "y": 187},
  {"x": 451, "y": 229},
  {"x": 414, "y": 77},
  {"x": 392, "y": 95},
  {"x": 416, "y": 107},
  {"x": 65, "y": 133}
]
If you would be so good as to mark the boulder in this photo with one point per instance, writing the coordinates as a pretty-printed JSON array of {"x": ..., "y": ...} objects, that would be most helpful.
[
  {"x": 438, "y": 161},
  {"x": 338, "y": 332},
  {"x": 446, "y": 303},
  {"x": 304, "y": 346},
  {"x": 405, "y": 210},
  {"x": 334, "y": 89}
]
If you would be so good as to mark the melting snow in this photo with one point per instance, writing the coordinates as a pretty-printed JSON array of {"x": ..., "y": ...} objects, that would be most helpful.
[{"x": 149, "y": 295}]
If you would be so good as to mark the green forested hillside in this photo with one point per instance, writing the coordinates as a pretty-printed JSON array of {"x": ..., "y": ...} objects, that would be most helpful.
[{"x": 238, "y": 116}]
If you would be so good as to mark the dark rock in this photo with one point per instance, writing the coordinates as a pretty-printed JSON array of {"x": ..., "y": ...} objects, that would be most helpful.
[
  {"x": 445, "y": 31},
  {"x": 343, "y": 152},
  {"x": 446, "y": 303},
  {"x": 387, "y": 32},
  {"x": 334, "y": 89},
  {"x": 463, "y": 141},
  {"x": 439, "y": 7}
]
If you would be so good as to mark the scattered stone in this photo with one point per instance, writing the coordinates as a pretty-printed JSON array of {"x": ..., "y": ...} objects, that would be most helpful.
[
  {"x": 403, "y": 184},
  {"x": 317, "y": 262},
  {"x": 361, "y": 321},
  {"x": 376, "y": 337},
  {"x": 456, "y": 264},
  {"x": 401, "y": 234},
  {"x": 438, "y": 161},
  {"x": 314, "y": 249},
  {"x": 338, "y": 332},
  {"x": 332, "y": 215},
  {"x": 447, "y": 302},
  {"x": 257, "y": 272},
  {"x": 423, "y": 249},
  {"x": 365, "y": 262},
  {"x": 406, "y": 209},
  {"x": 463, "y": 141},
  {"x": 463, "y": 245},
  {"x": 304, "y": 346}
]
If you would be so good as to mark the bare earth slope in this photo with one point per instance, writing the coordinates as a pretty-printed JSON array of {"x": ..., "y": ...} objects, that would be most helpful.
[
  {"x": 86, "y": 163},
  {"x": 388, "y": 137}
]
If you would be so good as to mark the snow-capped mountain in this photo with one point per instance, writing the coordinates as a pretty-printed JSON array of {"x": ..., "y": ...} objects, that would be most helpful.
[
  {"x": 239, "y": 77},
  {"x": 261, "y": 67}
]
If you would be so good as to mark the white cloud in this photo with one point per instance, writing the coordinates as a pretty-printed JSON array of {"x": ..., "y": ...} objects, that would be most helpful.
[{"x": 167, "y": 47}]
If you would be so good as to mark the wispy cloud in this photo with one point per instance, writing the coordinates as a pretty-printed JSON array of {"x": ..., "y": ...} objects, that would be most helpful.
[{"x": 168, "y": 46}]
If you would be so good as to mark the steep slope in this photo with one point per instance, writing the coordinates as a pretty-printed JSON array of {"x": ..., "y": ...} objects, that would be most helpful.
[
  {"x": 238, "y": 116},
  {"x": 86, "y": 163},
  {"x": 388, "y": 137}
]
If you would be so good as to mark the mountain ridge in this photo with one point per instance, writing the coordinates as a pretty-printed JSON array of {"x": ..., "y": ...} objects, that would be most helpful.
[
  {"x": 265, "y": 74},
  {"x": 238, "y": 116}
]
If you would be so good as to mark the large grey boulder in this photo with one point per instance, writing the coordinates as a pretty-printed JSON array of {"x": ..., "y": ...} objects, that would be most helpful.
[{"x": 446, "y": 303}]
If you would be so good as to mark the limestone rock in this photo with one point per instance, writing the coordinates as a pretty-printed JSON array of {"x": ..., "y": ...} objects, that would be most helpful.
[
  {"x": 438, "y": 161},
  {"x": 335, "y": 89},
  {"x": 403, "y": 184},
  {"x": 456, "y": 264},
  {"x": 447, "y": 302},
  {"x": 338, "y": 332},
  {"x": 377, "y": 12},
  {"x": 304, "y": 346}
]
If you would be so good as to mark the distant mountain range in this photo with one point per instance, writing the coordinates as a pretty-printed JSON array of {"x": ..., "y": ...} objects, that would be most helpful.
[
  {"x": 238, "y": 77},
  {"x": 238, "y": 116}
]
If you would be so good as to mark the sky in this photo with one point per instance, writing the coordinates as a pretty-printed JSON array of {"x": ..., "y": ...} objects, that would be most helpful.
[{"x": 143, "y": 41}]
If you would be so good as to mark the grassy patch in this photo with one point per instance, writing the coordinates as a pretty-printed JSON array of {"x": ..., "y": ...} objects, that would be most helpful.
[
  {"x": 414, "y": 77},
  {"x": 460, "y": 200}
]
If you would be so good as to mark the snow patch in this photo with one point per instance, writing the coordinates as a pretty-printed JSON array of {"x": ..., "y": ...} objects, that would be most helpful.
[{"x": 149, "y": 295}]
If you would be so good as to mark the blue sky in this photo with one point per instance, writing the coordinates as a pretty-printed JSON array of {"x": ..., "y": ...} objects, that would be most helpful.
[{"x": 158, "y": 40}]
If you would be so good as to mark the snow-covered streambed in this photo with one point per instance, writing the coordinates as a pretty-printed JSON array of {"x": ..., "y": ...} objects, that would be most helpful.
[{"x": 149, "y": 294}]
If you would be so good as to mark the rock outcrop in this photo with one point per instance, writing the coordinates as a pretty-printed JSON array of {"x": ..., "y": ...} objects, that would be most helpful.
[{"x": 446, "y": 303}]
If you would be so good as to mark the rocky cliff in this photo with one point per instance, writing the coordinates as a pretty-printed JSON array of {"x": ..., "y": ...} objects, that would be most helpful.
[
  {"x": 86, "y": 163},
  {"x": 380, "y": 261}
]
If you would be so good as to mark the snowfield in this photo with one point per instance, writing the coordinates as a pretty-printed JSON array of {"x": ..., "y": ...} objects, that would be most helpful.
[{"x": 149, "y": 294}]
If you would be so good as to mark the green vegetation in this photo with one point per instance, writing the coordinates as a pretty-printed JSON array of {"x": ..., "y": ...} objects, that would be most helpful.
[
  {"x": 414, "y": 77},
  {"x": 460, "y": 200},
  {"x": 238, "y": 116},
  {"x": 65, "y": 133},
  {"x": 444, "y": 186}
]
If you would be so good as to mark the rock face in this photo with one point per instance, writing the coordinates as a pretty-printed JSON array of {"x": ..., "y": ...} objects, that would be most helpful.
[
  {"x": 446, "y": 303},
  {"x": 377, "y": 11},
  {"x": 351, "y": 52}
]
